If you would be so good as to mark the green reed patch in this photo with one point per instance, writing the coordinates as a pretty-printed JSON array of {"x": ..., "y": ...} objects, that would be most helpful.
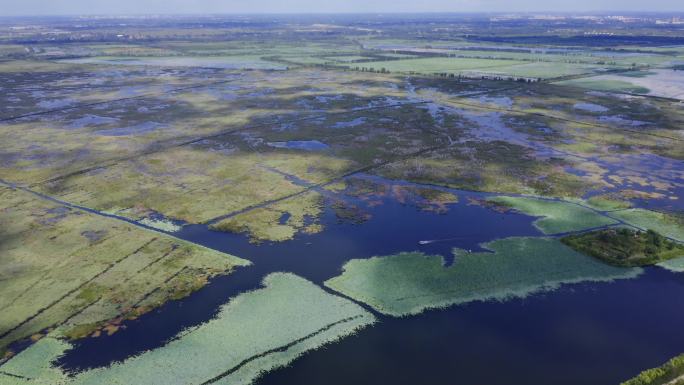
[
  {"x": 556, "y": 216},
  {"x": 675, "y": 265},
  {"x": 409, "y": 283},
  {"x": 253, "y": 333},
  {"x": 669, "y": 225}
]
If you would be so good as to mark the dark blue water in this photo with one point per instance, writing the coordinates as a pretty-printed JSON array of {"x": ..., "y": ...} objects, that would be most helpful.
[
  {"x": 392, "y": 228},
  {"x": 581, "y": 334},
  {"x": 586, "y": 334}
]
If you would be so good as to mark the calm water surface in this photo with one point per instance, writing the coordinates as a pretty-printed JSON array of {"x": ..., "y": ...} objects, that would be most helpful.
[{"x": 581, "y": 334}]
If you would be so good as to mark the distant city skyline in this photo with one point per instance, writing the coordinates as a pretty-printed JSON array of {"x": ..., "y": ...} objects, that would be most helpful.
[{"x": 73, "y": 7}]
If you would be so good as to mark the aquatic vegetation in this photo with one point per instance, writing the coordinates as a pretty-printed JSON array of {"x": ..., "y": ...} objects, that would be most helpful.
[
  {"x": 34, "y": 364},
  {"x": 161, "y": 224},
  {"x": 425, "y": 198},
  {"x": 264, "y": 329},
  {"x": 409, "y": 283},
  {"x": 625, "y": 247},
  {"x": 669, "y": 225},
  {"x": 372, "y": 191},
  {"x": 670, "y": 373},
  {"x": 556, "y": 216},
  {"x": 676, "y": 265},
  {"x": 69, "y": 268}
]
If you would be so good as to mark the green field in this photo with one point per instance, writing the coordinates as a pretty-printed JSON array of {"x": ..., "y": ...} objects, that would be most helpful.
[
  {"x": 606, "y": 85},
  {"x": 436, "y": 65},
  {"x": 543, "y": 70}
]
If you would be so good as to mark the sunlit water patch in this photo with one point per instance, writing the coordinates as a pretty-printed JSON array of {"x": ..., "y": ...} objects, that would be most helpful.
[
  {"x": 590, "y": 107},
  {"x": 307, "y": 145}
]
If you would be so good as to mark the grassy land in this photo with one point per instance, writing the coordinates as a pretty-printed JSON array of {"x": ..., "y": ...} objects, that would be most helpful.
[
  {"x": 267, "y": 224},
  {"x": 669, "y": 373},
  {"x": 606, "y": 85},
  {"x": 63, "y": 267},
  {"x": 556, "y": 216},
  {"x": 626, "y": 247},
  {"x": 265, "y": 329},
  {"x": 226, "y": 62},
  {"x": 492, "y": 166},
  {"x": 183, "y": 183},
  {"x": 669, "y": 225},
  {"x": 409, "y": 283},
  {"x": 544, "y": 70},
  {"x": 435, "y": 65},
  {"x": 608, "y": 202},
  {"x": 474, "y": 66}
]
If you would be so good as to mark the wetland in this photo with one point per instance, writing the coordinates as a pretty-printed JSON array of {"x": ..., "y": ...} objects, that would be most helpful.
[{"x": 269, "y": 201}]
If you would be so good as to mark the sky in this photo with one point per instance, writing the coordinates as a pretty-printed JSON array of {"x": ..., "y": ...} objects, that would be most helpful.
[{"x": 72, "y": 7}]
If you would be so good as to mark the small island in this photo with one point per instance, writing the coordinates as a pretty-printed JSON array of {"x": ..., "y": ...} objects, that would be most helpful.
[{"x": 626, "y": 247}]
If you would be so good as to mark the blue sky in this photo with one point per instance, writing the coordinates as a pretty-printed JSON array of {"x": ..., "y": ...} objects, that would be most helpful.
[{"x": 29, "y": 7}]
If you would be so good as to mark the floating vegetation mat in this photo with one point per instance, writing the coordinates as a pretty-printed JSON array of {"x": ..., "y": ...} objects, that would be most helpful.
[
  {"x": 668, "y": 225},
  {"x": 675, "y": 265},
  {"x": 556, "y": 216},
  {"x": 409, "y": 283},
  {"x": 255, "y": 332},
  {"x": 161, "y": 224}
]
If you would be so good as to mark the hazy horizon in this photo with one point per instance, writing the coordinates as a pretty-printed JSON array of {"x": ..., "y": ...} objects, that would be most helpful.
[{"x": 170, "y": 7}]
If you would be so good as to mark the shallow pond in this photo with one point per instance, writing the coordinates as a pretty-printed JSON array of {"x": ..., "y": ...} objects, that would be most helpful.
[{"x": 307, "y": 145}]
